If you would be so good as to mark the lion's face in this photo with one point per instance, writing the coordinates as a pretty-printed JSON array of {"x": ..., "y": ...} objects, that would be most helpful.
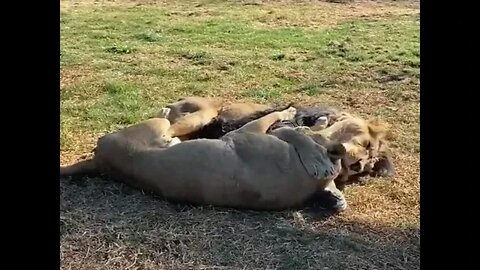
[
  {"x": 362, "y": 140},
  {"x": 359, "y": 158}
]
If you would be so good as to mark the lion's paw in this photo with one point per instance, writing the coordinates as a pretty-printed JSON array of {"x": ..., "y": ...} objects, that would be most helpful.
[
  {"x": 175, "y": 140},
  {"x": 164, "y": 112},
  {"x": 333, "y": 200},
  {"x": 288, "y": 114},
  {"x": 303, "y": 129}
]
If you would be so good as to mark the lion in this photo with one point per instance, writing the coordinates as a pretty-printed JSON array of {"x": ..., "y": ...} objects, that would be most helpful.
[
  {"x": 198, "y": 117},
  {"x": 246, "y": 168},
  {"x": 365, "y": 144},
  {"x": 190, "y": 114}
]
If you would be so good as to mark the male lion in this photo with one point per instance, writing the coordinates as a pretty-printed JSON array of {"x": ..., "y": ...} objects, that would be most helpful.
[
  {"x": 190, "y": 114},
  {"x": 246, "y": 168},
  {"x": 198, "y": 117},
  {"x": 365, "y": 144}
]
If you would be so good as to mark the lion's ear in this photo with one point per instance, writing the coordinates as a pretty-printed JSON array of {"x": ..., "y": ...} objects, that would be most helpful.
[
  {"x": 377, "y": 128},
  {"x": 336, "y": 151}
]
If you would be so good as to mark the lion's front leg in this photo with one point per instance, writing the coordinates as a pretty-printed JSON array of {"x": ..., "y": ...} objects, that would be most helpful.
[
  {"x": 192, "y": 122},
  {"x": 187, "y": 124},
  {"x": 262, "y": 124},
  {"x": 331, "y": 198},
  {"x": 304, "y": 130},
  {"x": 315, "y": 158}
]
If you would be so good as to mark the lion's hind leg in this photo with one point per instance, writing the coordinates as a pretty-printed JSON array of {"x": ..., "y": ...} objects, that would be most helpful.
[
  {"x": 189, "y": 123},
  {"x": 153, "y": 132},
  {"x": 164, "y": 113}
]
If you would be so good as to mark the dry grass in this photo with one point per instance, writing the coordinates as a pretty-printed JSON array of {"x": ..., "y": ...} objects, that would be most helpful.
[{"x": 122, "y": 60}]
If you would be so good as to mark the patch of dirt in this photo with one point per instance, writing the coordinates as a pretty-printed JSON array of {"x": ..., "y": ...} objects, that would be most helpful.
[{"x": 70, "y": 76}]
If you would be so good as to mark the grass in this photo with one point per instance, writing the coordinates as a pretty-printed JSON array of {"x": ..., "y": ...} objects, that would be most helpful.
[{"x": 121, "y": 61}]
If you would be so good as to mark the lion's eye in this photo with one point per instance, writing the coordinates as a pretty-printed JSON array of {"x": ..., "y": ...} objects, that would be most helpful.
[
  {"x": 367, "y": 144},
  {"x": 357, "y": 142}
]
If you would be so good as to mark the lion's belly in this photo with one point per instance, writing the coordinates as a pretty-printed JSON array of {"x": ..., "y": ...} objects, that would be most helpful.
[
  {"x": 271, "y": 186},
  {"x": 189, "y": 171},
  {"x": 210, "y": 172}
]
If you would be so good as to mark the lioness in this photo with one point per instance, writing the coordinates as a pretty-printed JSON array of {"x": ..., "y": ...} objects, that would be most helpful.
[
  {"x": 246, "y": 168},
  {"x": 368, "y": 152}
]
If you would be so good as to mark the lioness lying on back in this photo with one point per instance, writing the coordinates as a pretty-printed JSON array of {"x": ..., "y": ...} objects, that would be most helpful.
[
  {"x": 368, "y": 152},
  {"x": 246, "y": 168}
]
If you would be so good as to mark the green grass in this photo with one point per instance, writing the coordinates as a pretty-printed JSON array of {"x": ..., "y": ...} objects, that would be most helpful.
[
  {"x": 121, "y": 62},
  {"x": 188, "y": 57}
]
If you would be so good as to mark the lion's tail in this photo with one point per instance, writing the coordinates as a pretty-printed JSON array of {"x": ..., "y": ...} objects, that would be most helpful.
[{"x": 82, "y": 167}]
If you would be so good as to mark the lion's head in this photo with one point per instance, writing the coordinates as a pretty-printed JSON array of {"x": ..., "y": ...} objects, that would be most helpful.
[{"x": 362, "y": 140}]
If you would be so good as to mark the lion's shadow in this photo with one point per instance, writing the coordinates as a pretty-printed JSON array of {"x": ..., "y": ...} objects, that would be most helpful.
[{"x": 107, "y": 217}]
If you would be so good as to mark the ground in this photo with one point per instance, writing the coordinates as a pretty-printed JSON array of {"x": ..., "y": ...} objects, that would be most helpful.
[{"x": 123, "y": 60}]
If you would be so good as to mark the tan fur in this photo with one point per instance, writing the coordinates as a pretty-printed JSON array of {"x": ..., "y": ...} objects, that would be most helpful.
[
  {"x": 362, "y": 138},
  {"x": 235, "y": 111},
  {"x": 364, "y": 141},
  {"x": 246, "y": 168},
  {"x": 192, "y": 113}
]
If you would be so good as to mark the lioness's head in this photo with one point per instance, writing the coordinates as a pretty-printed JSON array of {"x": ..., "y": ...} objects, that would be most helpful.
[{"x": 361, "y": 139}]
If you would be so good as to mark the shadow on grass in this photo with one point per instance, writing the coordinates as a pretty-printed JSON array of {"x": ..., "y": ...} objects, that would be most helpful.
[{"x": 112, "y": 226}]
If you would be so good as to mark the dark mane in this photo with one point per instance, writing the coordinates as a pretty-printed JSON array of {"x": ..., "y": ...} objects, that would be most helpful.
[
  {"x": 220, "y": 126},
  {"x": 306, "y": 116}
]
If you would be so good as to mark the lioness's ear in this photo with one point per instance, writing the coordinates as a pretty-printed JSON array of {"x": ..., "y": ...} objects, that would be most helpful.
[{"x": 336, "y": 151}]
